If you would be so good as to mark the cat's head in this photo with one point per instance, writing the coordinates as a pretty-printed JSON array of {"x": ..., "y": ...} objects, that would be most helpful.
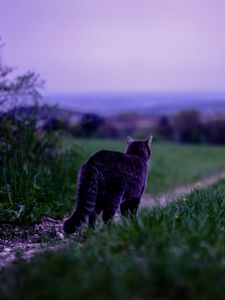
[{"x": 139, "y": 147}]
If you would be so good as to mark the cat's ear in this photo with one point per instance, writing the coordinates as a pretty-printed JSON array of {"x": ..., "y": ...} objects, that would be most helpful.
[
  {"x": 149, "y": 140},
  {"x": 130, "y": 140}
]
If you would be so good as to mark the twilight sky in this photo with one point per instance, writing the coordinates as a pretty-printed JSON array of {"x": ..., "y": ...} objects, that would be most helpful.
[{"x": 117, "y": 45}]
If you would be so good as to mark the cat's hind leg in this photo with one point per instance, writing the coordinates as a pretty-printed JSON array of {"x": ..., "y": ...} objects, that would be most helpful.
[
  {"x": 110, "y": 209},
  {"x": 98, "y": 209},
  {"x": 93, "y": 218},
  {"x": 73, "y": 222},
  {"x": 130, "y": 207}
]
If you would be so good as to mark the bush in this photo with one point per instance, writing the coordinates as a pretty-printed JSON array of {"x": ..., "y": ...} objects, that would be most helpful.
[
  {"x": 164, "y": 128},
  {"x": 188, "y": 127},
  {"x": 36, "y": 173},
  {"x": 215, "y": 132},
  {"x": 90, "y": 123}
]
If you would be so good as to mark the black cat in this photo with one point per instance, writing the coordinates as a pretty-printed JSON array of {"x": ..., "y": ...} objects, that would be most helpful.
[{"x": 109, "y": 180}]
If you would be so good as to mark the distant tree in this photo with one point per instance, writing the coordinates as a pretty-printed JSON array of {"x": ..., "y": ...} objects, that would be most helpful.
[
  {"x": 56, "y": 124},
  {"x": 90, "y": 123},
  {"x": 188, "y": 127},
  {"x": 164, "y": 128},
  {"x": 215, "y": 132}
]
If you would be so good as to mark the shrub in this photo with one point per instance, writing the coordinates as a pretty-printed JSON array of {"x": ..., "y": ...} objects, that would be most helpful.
[{"x": 36, "y": 173}]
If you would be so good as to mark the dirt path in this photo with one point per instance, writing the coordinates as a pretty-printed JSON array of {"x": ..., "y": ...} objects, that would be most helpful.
[
  {"x": 25, "y": 241},
  {"x": 28, "y": 240},
  {"x": 164, "y": 199}
]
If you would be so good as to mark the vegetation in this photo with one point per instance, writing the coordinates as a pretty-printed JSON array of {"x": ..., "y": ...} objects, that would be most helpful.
[
  {"x": 172, "y": 253},
  {"x": 186, "y": 126},
  {"x": 36, "y": 174},
  {"x": 38, "y": 170},
  {"x": 17, "y": 90},
  {"x": 190, "y": 126}
]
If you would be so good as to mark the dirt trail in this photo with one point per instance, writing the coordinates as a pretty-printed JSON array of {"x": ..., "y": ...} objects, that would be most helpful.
[
  {"x": 163, "y": 199},
  {"x": 26, "y": 241}
]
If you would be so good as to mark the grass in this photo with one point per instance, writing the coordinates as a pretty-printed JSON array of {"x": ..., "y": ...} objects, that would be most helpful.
[
  {"x": 167, "y": 253},
  {"x": 171, "y": 165},
  {"x": 177, "y": 252},
  {"x": 38, "y": 174}
]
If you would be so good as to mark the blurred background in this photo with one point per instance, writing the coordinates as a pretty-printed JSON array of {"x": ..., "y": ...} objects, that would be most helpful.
[{"x": 117, "y": 68}]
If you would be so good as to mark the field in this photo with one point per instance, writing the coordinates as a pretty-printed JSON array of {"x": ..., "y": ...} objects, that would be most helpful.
[{"x": 176, "y": 252}]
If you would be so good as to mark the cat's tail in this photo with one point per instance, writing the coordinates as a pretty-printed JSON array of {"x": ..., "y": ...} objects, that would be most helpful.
[{"x": 86, "y": 198}]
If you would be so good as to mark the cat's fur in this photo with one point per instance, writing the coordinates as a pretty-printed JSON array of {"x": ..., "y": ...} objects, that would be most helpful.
[{"x": 109, "y": 180}]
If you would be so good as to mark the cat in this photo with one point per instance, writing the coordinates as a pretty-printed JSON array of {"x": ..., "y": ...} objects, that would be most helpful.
[{"x": 110, "y": 180}]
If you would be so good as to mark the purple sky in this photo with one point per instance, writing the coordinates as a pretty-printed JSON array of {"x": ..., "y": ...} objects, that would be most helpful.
[{"x": 117, "y": 45}]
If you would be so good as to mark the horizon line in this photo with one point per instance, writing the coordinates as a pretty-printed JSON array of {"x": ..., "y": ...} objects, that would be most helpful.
[{"x": 129, "y": 92}]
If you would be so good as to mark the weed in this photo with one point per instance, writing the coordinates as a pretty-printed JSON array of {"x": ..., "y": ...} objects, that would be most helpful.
[{"x": 37, "y": 176}]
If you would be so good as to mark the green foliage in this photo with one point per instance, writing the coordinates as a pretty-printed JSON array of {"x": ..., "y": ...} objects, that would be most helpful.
[
  {"x": 175, "y": 252},
  {"x": 36, "y": 174}
]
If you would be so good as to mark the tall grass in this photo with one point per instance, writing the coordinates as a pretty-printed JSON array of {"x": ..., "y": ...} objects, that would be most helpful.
[{"x": 37, "y": 176}]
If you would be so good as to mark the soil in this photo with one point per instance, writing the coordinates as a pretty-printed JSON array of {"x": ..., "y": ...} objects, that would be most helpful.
[{"x": 25, "y": 241}]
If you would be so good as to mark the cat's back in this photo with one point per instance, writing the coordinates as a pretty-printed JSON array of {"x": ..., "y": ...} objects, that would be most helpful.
[
  {"x": 106, "y": 156},
  {"x": 106, "y": 159},
  {"x": 117, "y": 170}
]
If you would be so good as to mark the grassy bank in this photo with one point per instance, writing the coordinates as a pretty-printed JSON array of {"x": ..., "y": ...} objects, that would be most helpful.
[{"x": 172, "y": 253}]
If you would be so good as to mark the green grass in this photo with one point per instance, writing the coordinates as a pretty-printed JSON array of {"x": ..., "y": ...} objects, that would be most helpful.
[
  {"x": 177, "y": 252},
  {"x": 38, "y": 174},
  {"x": 171, "y": 165}
]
